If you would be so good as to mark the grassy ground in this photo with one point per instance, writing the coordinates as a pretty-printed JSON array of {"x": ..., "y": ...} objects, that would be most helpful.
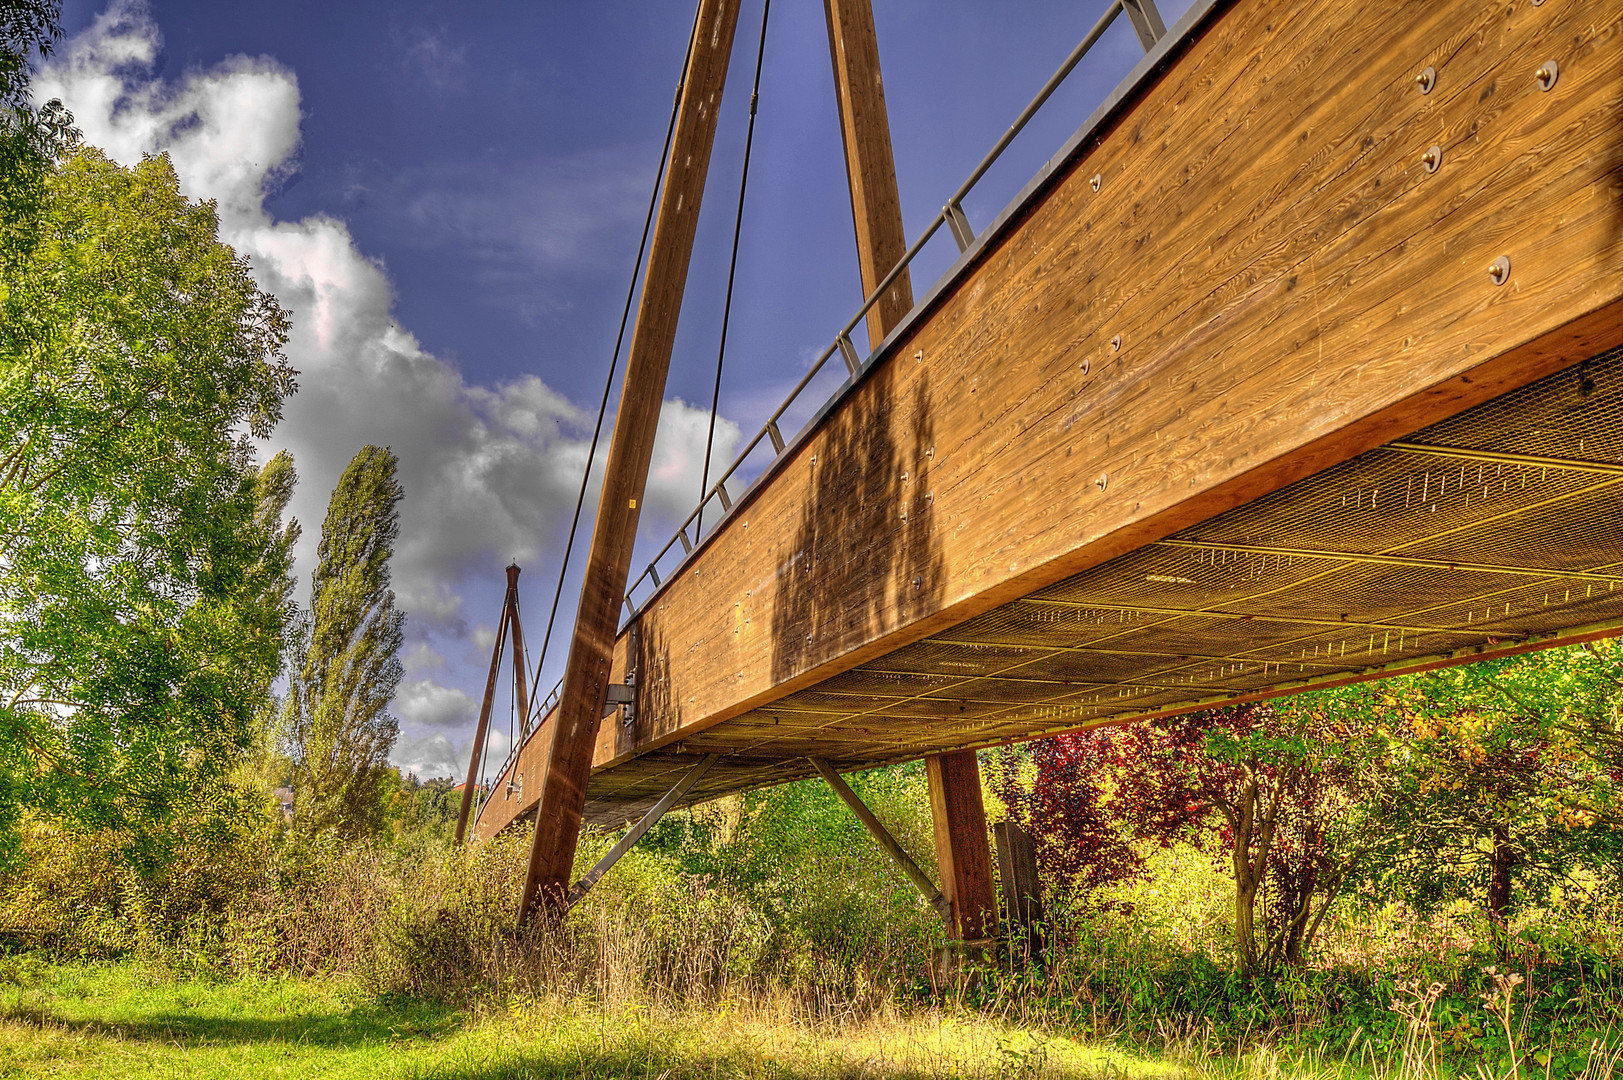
[{"x": 117, "y": 1020}]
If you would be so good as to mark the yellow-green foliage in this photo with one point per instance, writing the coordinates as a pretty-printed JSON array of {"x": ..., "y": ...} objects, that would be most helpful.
[{"x": 67, "y": 894}]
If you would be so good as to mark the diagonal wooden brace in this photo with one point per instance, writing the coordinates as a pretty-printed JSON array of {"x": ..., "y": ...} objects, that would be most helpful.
[
  {"x": 881, "y": 835},
  {"x": 646, "y": 822}
]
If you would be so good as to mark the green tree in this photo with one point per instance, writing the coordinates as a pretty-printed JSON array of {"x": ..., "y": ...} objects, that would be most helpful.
[
  {"x": 27, "y": 27},
  {"x": 31, "y": 140},
  {"x": 348, "y": 662},
  {"x": 139, "y": 633},
  {"x": 1488, "y": 792}
]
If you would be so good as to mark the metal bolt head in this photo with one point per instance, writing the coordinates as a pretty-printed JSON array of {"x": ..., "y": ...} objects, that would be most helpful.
[
  {"x": 1085, "y": 365},
  {"x": 1115, "y": 343},
  {"x": 1098, "y": 179},
  {"x": 1103, "y": 481},
  {"x": 1548, "y": 74},
  {"x": 1426, "y": 80},
  {"x": 1432, "y": 158},
  {"x": 1499, "y": 272}
]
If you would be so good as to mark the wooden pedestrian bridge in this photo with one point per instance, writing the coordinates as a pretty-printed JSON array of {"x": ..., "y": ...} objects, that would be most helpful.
[{"x": 1301, "y": 363}]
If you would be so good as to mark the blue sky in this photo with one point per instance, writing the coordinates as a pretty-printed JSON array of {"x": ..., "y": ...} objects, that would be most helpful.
[{"x": 448, "y": 197}]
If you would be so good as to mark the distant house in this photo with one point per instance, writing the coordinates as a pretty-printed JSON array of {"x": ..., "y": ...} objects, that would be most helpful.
[{"x": 284, "y": 799}]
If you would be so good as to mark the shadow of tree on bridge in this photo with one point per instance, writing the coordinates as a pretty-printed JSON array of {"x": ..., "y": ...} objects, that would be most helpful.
[
  {"x": 658, "y": 708},
  {"x": 865, "y": 558}
]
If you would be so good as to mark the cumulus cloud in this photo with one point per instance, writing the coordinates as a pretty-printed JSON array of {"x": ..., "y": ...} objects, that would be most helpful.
[
  {"x": 425, "y": 703},
  {"x": 430, "y": 757},
  {"x": 435, "y": 753},
  {"x": 489, "y": 471},
  {"x": 420, "y": 657},
  {"x": 483, "y": 637}
]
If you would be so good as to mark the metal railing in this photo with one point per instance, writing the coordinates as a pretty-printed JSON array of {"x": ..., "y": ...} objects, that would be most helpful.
[
  {"x": 539, "y": 712},
  {"x": 1146, "y": 21},
  {"x": 1147, "y": 24}
]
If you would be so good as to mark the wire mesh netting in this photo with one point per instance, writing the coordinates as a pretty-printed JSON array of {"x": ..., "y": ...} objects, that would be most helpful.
[{"x": 1493, "y": 529}]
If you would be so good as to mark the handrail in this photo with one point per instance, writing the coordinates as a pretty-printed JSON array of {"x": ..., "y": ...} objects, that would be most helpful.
[
  {"x": 540, "y": 713},
  {"x": 1147, "y": 23}
]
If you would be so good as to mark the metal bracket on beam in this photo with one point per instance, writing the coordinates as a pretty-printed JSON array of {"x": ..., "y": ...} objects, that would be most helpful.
[
  {"x": 775, "y": 435},
  {"x": 958, "y": 222},
  {"x": 646, "y": 822},
  {"x": 622, "y": 694},
  {"x": 848, "y": 352},
  {"x": 631, "y": 606},
  {"x": 1146, "y": 21},
  {"x": 687, "y": 545},
  {"x": 721, "y": 493},
  {"x": 921, "y": 881}
]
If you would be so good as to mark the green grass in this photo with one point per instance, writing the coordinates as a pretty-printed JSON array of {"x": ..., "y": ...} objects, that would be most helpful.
[
  {"x": 122, "y": 1020},
  {"x": 109, "y": 1020}
]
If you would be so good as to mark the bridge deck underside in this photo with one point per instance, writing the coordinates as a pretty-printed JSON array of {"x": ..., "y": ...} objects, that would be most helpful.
[
  {"x": 1330, "y": 446},
  {"x": 1499, "y": 527}
]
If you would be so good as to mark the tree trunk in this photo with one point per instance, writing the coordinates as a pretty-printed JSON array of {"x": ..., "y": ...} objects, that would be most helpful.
[
  {"x": 1245, "y": 920},
  {"x": 1500, "y": 864}
]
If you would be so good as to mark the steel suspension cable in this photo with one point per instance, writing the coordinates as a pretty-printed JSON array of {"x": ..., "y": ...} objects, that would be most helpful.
[
  {"x": 732, "y": 268},
  {"x": 619, "y": 339}
]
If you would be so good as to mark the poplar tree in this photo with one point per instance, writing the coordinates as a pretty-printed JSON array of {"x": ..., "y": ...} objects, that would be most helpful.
[{"x": 347, "y": 664}]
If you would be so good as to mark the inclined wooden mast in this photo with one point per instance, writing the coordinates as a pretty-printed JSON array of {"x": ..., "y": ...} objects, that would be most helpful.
[
  {"x": 954, "y": 779},
  {"x": 508, "y": 618},
  {"x": 570, "y": 739}
]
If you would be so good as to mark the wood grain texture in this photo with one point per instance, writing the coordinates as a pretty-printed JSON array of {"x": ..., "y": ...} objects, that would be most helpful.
[
  {"x": 567, "y": 741},
  {"x": 876, "y": 210},
  {"x": 482, "y": 728},
  {"x": 961, "y": 844},
  {"x": 1290, "y": 289},
  {"x": 876, "y": 205}
]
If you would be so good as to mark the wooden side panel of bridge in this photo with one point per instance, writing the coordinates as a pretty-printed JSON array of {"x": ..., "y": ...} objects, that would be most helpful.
[{"x": 1227, "y": 405}]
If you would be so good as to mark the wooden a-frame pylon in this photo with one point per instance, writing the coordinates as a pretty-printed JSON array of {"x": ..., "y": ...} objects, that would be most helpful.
[{"x": 509, "y": 618}]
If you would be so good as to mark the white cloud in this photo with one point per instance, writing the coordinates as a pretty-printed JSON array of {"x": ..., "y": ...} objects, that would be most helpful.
[
  {"x": 429, "y": 757},
  {"x": 425, "y": 703},
  {"x": 435, "y": 753},
  {"x": 489, "y": 471},
  {"x": 678, "y": 461},
  {"x": 420, "y": 657}
]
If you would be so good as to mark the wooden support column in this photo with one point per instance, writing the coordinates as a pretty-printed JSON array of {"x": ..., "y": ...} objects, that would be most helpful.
[
  {"x": 569, "y": 741},
  {"x": 876, "y": 205},
  {"x": 876, "y": 208},
  {"x": 1022, "y": 891},
  {"x": 509, "y": 607},
  {"x": 960, "y": 844}
]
